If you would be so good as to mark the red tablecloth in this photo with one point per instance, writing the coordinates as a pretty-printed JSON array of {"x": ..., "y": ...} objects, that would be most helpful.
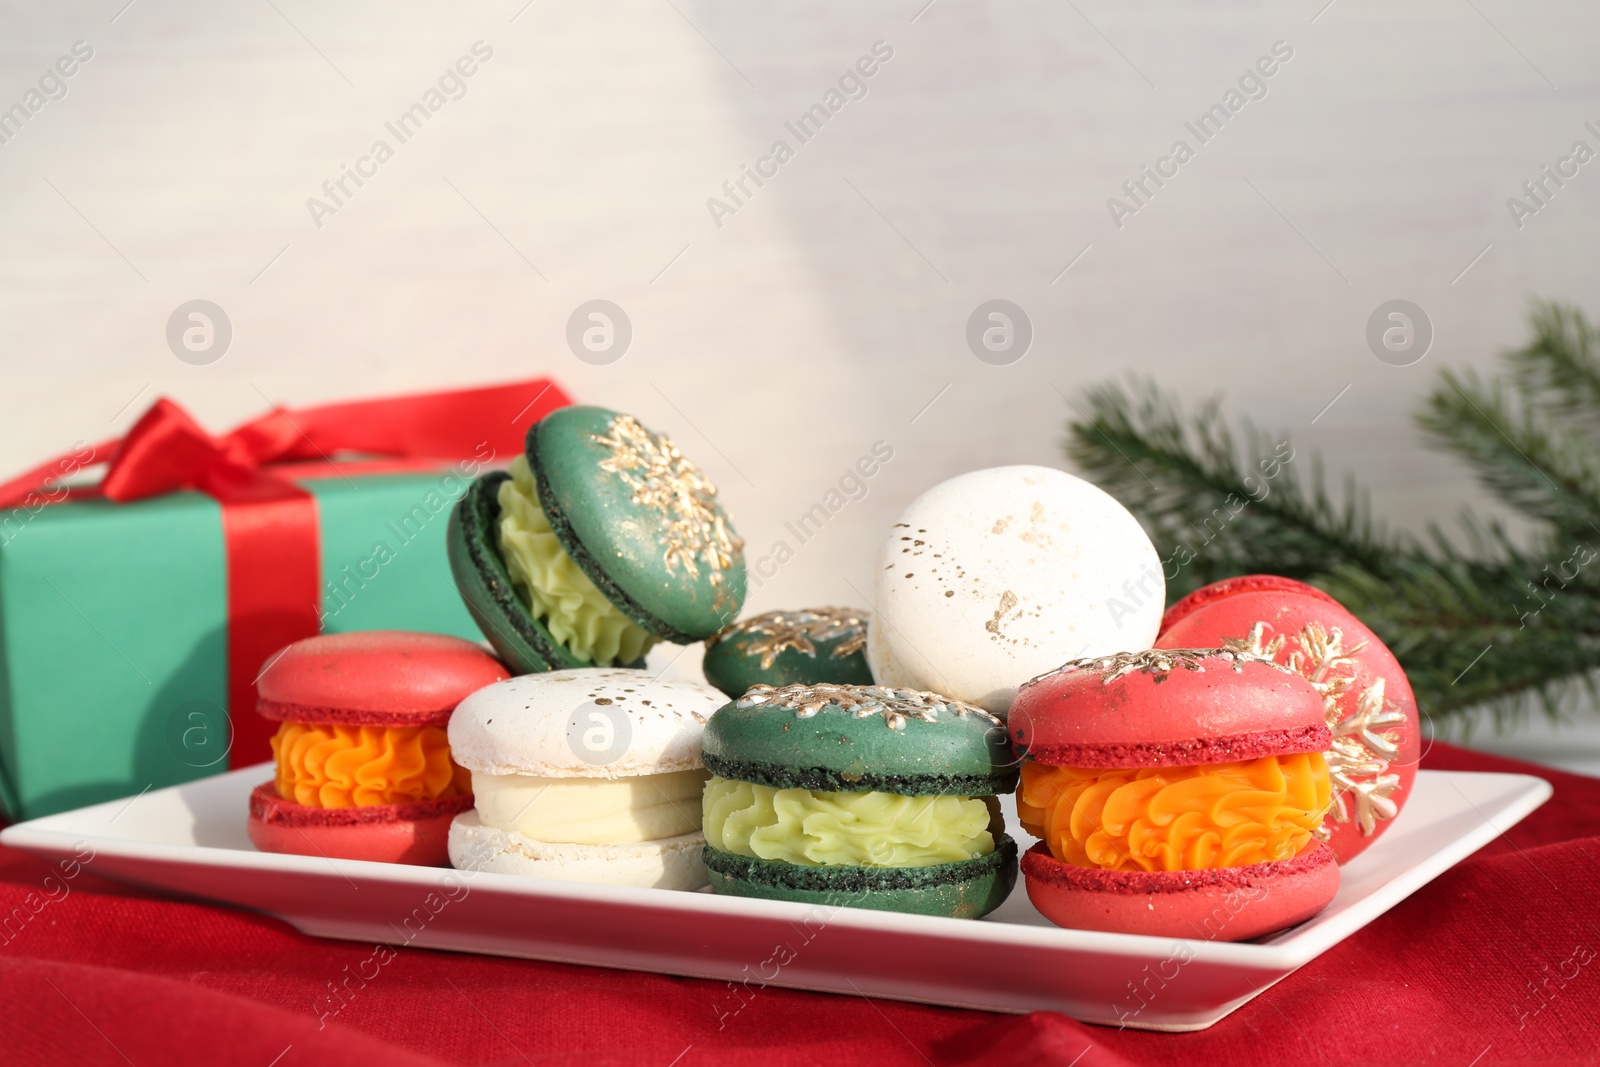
[{"x": 1496, "y": 962}]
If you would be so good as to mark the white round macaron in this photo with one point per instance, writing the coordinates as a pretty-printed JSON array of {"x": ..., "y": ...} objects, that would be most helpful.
[
  {"x": 999, "y": 575},
  {"x": 590, "y": 775}
]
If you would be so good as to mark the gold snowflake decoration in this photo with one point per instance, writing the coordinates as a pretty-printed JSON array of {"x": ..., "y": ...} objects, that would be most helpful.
[
  {"x": 778, "y": 631},
  {"x": 1160, "y": 662},
  {"x": 1363, "y": 744},
  {"x": 663, "y": 480},
  {"x": 861, "y": 701}
]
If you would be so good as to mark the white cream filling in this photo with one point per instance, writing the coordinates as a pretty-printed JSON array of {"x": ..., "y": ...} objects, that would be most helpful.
[{"x": 591, "y": 811}]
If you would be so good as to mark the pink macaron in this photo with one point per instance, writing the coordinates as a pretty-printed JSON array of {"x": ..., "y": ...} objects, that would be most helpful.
[
  {"x": 1368, "y": 703},
  {"x": 1244, "y": 583},
  {"x": 1177, "y": 793},
  {"x": 363, "y": 761}
]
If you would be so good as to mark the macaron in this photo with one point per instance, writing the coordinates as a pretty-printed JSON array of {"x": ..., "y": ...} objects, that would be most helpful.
[
  {"x": 363, "y": 763},
  {"x": 1177, "y": 793},
  {"x": 600, "y": 540},
  {"x": 865, "y": 796},
  {"x": 1244, "y": 583},
  {"x": 789, "y": 648},
  {"x": 998, "y": 575},
  {"x": 584, "y": 775},
  {"x": 1367, "y": 700}
]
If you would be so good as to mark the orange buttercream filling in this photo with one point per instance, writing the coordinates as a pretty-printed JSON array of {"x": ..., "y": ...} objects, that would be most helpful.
[
  {"x": 1176, "y": 818},
  {"x": 323, "y": 766}
]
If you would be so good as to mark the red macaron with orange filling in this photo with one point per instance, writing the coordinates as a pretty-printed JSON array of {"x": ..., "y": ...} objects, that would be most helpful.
[
  {"x": 1177, "y": 793},
  {"x": 363, "y": 761}
]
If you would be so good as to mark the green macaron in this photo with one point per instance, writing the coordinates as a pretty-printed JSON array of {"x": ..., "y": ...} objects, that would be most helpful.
[
  {"x": 859, "y": 795},
  {"x": 789, "y": 648},
  {"x": 601, "y": 540}
]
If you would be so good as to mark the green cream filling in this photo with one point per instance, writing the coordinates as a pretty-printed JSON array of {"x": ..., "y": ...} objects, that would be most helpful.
[
  {"x": 815, "y": 828},
  {"x": 554, "y": 588}
]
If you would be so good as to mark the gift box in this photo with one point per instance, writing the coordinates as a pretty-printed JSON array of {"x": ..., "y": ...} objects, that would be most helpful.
[{"x": 135, "y": 615}]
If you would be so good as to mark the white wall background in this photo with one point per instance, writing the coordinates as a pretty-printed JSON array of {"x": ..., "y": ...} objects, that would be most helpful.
[{"x": 830, "y": 310}]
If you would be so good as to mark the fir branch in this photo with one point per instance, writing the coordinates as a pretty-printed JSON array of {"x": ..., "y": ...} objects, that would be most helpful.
[
  {"x": 1560, "y": 367},
  {"x": 1213, "y": 507},
  {"x": 1518, "y": 446},
  {"x": 1476, "y": 620}
]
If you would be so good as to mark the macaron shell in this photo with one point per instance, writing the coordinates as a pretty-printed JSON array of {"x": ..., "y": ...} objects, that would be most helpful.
[
  {"x": 1245, "y": 583},
  {"x": 413, "y": 833},
  {"x": 734, "y": 673},
  {"x": 966, "y": 890},
  {"x": 998, "y": 575},
  {"x": 670, "y": 863},
  {"x": 390, "y": 677},
  {"x": 1206, "y": 706},
  {"x": 837, "y": 749},
  {"x": 647, "y": 549},
  {"x": 472, "y": 542},
  {"x": 734, "y": 657},
  {"x": 1225, "y": 904},
  {"x": 1365, "y": 661},
  {"x": 537, "y": 724}
]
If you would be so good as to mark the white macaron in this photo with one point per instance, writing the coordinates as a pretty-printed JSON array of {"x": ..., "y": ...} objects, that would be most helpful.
[
  {"x": 589, "y": 775},
  {"x": 999, "y": 575}
]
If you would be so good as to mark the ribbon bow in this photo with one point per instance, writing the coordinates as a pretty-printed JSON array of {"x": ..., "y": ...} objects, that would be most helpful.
[
  {"x": 269, "y": 524},
  {"x": 167, "y": 450}
]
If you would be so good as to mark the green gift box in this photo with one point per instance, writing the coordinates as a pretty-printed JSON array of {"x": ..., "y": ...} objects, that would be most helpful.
[{"x": 115, "y": 617}]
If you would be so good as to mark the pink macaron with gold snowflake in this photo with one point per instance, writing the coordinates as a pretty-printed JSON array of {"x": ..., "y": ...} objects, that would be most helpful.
[{"x": 1367, "y": 699}]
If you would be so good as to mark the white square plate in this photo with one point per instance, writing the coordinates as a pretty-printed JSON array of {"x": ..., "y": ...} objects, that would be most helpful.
[{"x": 190, "y": 841}]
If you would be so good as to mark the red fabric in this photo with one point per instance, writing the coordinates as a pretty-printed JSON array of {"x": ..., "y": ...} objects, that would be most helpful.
[
  {"x": 269, "y": 524},
  {"x": 111, "y": 976}
]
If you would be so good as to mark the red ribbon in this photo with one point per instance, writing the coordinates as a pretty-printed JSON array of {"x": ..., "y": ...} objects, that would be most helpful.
[{"x": 269, "y": 524}]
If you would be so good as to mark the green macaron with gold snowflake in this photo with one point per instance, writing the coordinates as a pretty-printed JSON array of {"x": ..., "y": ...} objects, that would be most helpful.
[
  {"x": 866, "y": 796},
  {"x": 600, "y": 540},
  {"x": 787, "y": 648}
]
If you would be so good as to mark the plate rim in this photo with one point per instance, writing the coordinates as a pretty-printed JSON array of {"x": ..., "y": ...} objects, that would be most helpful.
[{"x": 44, "y": 836}]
